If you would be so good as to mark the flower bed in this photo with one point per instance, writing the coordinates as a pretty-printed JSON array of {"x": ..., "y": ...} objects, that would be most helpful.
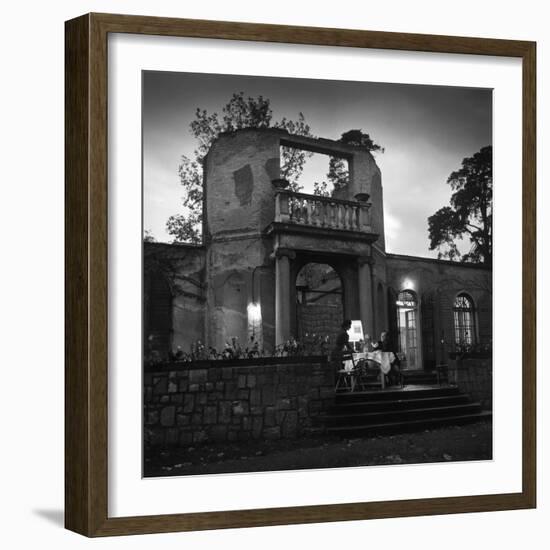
[{"x": 311, "y": 345}]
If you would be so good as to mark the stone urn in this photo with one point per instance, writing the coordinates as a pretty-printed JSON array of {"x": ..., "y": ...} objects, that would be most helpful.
[
  {"x": 362, "y": 197},
  {"x": 280, "y": 183}
]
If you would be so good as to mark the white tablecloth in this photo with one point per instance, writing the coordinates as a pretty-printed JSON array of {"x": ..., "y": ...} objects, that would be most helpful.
[{"x": 383, "y": 358}]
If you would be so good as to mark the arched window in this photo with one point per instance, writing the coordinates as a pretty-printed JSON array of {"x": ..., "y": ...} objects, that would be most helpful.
[
  {"x": 407, "y": 298},
  {"x": 463, "y": 310}
]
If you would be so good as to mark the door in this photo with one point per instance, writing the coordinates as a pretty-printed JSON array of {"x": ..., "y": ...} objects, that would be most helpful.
[
  {"x": 411, "y": 341},
  {"x": 407, "y": 318}
]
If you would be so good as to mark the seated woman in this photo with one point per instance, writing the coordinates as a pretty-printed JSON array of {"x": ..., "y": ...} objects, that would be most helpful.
[{"x": 384, "y": 344}]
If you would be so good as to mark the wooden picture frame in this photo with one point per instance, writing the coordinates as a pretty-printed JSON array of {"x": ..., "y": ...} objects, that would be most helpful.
[{"x": 86, "y": 414}]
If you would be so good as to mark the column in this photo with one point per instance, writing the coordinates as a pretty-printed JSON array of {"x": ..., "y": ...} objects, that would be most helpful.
[
  {"x": 366, "y": 301},
  {"x": 282, "y": 294}
]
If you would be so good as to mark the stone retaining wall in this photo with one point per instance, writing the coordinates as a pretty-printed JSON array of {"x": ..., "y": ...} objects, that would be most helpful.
[
  {"x": 185, "y": 404},
  {"x": 475, "y": 377}
]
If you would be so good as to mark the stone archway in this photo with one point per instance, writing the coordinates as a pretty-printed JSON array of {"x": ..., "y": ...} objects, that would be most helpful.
[{"x": 319, "y": 301}]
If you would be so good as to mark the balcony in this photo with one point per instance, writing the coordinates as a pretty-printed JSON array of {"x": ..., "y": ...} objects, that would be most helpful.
[
  {"x": 321, "y": 225},
  {"x": 322, "y": 212}
]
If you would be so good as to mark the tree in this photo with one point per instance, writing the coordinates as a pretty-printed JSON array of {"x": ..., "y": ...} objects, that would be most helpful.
[
  {"x": 361, "y": 139},
  {"x": 338, "y": 173},
  {"x": 187, "y": 226},
  {"x": 148, "y": 237},
  {"x": 337, "y": 178},
  {"x": 470, "y": 214},
  {"x": 239, "y": 112}
]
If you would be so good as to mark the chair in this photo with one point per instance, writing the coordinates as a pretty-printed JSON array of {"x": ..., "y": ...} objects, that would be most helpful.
[
  {"x": 373, "y": 366},
  {"x": 362, "y": 372},
  {"x": 442, "y": 372},
  {"x": 395, "y": 373},
  {"x": 346, "y": 378},
  {"x": 400, "y": 377}
]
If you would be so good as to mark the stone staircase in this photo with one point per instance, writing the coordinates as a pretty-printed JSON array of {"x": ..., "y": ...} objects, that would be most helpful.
[
  {"x": 415, "y": 407},
  {"x": 410, "y": 377}
]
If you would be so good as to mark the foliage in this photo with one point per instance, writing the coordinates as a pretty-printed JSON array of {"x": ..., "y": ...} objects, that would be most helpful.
[
  {"x": 320, "y": 188},
  {"x": 463, "y": 351},
  {"x": 186, "y": 227},
  {"x": 361, "y": 139},
  {"x": 470, "y": 213},
  {"x": 338, "y": 173},
  {"x": 148, "y": 237},
  {"x": 231, "y": 350},
  {"x": 293, "y": 160},
  {"x": 309, "y": 345},
  {"x": 337, "y": 178},
  {"x": 238, "y": 113}
]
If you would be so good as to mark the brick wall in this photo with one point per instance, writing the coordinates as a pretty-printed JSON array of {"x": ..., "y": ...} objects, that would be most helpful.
[
  {"x": 322, "y": 319},
  {"x": 222, "y": 401}
]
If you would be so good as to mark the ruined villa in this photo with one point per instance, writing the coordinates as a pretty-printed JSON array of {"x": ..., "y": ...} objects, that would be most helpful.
[{"x": 275, "y": 264}]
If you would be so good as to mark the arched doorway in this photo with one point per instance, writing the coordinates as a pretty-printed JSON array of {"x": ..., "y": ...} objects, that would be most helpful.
[
  {"x": 407, "y": 326},
  {"x": 319, "y": 303}
]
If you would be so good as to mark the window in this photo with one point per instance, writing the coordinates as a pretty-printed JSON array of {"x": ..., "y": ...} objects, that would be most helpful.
[
  {"x": 463, "y": 310},
  {"x": 407, "y": 316},
  {"x": 406, "y": 298}
]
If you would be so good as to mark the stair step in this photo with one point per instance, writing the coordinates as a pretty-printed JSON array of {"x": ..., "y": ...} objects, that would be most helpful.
[
  {"x": 408, "y": 425},
  {"x": 406, "y": 415},
  {"x": 395, "y": 394},
  {"x": 398, "y": 404}
]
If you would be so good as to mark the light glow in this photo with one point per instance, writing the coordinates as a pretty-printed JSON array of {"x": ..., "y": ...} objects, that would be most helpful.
[
  {"x": 254, "y": 313},
  {"x": 255, "y": 329},
  {"x": 408, "y": 284}
]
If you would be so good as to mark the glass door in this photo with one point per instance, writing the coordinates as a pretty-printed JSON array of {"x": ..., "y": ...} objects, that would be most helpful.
[
  {"x": 407, "y": 316},
  {"x": 411, "y": 340}
]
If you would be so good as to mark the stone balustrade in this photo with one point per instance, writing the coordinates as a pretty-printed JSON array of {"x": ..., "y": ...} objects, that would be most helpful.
[{"x": 318, "y": 211}]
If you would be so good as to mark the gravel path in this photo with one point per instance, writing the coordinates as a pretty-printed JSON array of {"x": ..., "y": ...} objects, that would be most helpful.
[{"x": 455, "y": 443}]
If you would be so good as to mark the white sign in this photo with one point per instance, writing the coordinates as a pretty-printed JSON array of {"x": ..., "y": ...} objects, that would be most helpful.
[{"x": 356, "y": 331}]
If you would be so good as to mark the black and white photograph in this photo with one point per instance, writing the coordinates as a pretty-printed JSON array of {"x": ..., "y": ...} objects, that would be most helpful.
[
  {"x": 259, "y": 288},
  {"x": 317, "y": 273}
]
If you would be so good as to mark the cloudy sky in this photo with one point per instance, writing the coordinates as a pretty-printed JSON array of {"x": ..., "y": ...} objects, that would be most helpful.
[{"x": 426, "y": 132}]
